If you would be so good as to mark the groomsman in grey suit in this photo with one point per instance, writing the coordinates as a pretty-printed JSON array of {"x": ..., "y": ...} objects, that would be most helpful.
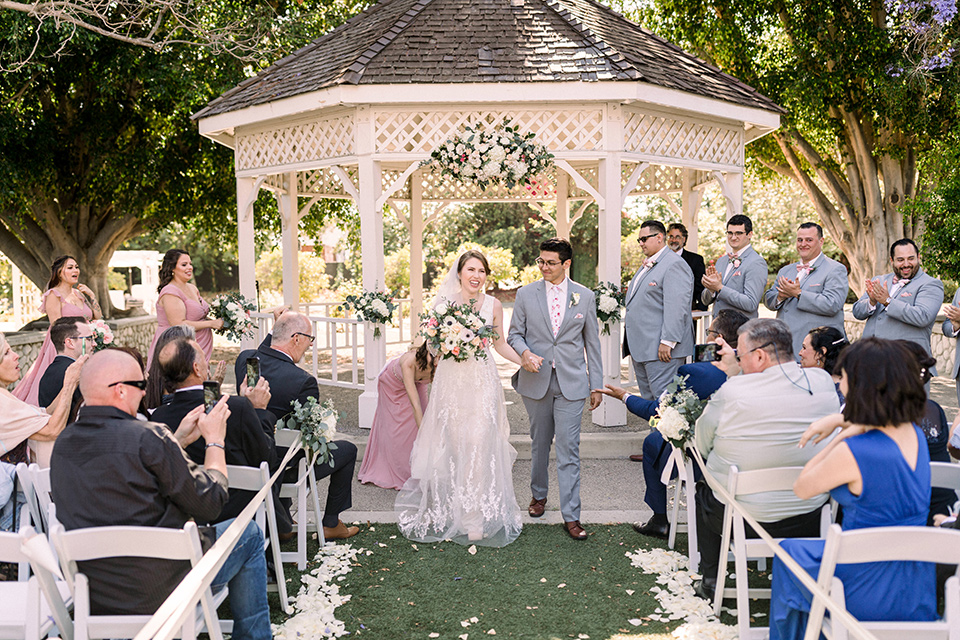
[
  {"x": 809, "y": 293},
  {"x": 951, "y": 329},
  {"x": 902, "y": 305},
  {"x": 554, "y": 329},
  {"x": 738, "y": 279},
  {"x": 658, "y": 333}
]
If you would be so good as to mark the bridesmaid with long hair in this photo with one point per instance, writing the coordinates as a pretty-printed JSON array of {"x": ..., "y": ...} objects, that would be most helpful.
[
  {"x": 65, "y": 296},
  {"x": 180, "y": 302}
]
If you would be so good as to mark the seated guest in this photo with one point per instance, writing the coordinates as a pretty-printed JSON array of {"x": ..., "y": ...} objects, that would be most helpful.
[
  {"x": 23, "y": 423},
  {"x": 754, "y": 422},
  {"x": 71, "y": 337},
  {"x": 704, "y": 378},
  {"x": 249, "y": 439},
  {"x": 279, "y": 354},
  {"x": 935, "y": 429},
  {"x": 111, "y": 469},
  {"x": 821, "y": 348},
  {"x": 155, "y": 389},
  {"x": 401, "y": 399},
  {"x": 878, "y": 469}
]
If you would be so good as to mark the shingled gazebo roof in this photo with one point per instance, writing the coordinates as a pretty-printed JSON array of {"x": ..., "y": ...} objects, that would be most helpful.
[{"x": 486, "y": 41}]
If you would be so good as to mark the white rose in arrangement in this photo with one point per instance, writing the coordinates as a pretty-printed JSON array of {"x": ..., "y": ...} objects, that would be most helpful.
[
  {"x": 490, "y": 170},
  {"x": 441, "y": 308},
  {"x": 475, "y": 160},
  {"x": 460, "y": 149},
  {"x": 497, "y": 154},
  {"x": 467, "y": 170},
  {"x": 380, "y": 307},
  {"x": 482, "y": 147},
  {"x": 671, "y": 424},
  {"x": 607, "y": 304}
]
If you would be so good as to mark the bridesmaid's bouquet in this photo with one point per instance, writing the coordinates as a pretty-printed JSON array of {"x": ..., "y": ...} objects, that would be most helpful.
[
  {"x": 317, "y": 423},
  {"x": 456, "y": 332},
  {"x": 234, "y": 310},
  {"x": 375, "y": 307},
  {"x": 102, "y": 335},
  {"x": 610, "y": 304},
  {"x": 678, "y": 412}
]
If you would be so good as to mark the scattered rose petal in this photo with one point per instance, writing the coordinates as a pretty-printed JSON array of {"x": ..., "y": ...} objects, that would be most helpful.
[
  {"x": 462, "y": 636},
  {"x": 630, "y": 592},
  {"x": 492, "y": 632},
  {"x": 561, "y": 585},
  {"x": 543, "y": 579},
  {"x": 474, "y": 619},
  {"x": 635, "y": 622},
  {"x": 464, "y": 623},
  {"x": 472, "y": 550},
  {"x": 434, "y": 635},
  {"x": 415, "y": 547}
]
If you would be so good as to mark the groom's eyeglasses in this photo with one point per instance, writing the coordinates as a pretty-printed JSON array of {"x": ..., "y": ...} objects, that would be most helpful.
[{"x": 549, "y": 263}]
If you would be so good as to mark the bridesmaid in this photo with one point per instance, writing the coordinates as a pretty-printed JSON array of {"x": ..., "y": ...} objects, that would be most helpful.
[
  {"x": 65, "y": 296},
  {"x": 401, "y": 399},
  {"x": 180, "y": 302}
]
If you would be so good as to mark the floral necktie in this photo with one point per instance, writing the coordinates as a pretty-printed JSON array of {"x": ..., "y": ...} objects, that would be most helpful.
[{"x": 556, "y": 310}]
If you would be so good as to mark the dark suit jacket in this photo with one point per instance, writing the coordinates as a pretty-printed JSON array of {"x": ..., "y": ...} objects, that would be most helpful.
[
  {"x": 288, "y": 382},
  {"x": 702, "y": 377},
  {"x": 696, "y": 264},
  {"x": 52, "y": 382},
  {"x": 249, "y": 438}
]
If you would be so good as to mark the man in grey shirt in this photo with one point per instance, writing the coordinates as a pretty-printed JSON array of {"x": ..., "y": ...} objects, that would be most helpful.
[{"x": 755, "y": 421}]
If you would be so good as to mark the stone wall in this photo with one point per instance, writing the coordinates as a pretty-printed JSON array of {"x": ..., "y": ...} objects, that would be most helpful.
[
  {"x": 943, "y": 348},
  {"x": 128, "y": 332}
]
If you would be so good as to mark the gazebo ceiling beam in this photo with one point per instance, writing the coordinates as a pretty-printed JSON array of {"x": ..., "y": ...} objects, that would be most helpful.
[
  {"x": 579, "y": 180},
  {"x": 348, "y": 184},
  {"x": 398, "y": 184},
  {"x": 632, "y": 181}
]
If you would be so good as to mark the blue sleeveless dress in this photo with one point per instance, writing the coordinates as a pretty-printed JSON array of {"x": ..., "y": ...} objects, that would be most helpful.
[{"x": 893, "y": 495}]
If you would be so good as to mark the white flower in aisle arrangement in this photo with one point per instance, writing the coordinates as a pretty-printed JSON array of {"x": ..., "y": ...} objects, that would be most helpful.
[
  {"x": 610, "y": 304},
  {"x": 375, "y": 307},
  {"x": 317, "y": 423},
  {"x": 234, "y": 311},
  {"x": 678, "y": 411}
]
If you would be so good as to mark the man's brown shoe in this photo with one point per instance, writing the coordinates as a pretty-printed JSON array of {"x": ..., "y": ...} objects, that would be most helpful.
[
  {"x": 536, "y": 507},
  {"x": 287, "y": 537},
  {"x": 636, "y": 457},
  {"x": 340, "y": 532},
  {"x": 574, "y": 530}
]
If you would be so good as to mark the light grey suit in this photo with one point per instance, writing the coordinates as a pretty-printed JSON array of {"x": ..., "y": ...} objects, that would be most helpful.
[
  {"x": 822, "y": 294},
  {"x": 910, "y": 314},
  {"x": 658, "y": 308},
  {"x": 743, "y": 287},
  {"x": 954, "y": 332},
  {"x": 554, "y": 396}
]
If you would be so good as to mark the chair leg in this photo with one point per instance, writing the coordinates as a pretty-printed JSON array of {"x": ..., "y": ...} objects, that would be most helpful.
[
  {"x": 317, "y": 513},
  {"x": 273, "y": 540},
  {"x": 302, "y": 525},
  {"x": 689, "y": 493},
  {"x": 675, "y": 512},
  {"x": 722, "y": 564}
]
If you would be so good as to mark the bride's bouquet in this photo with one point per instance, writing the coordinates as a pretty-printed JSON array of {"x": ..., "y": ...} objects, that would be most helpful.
[
  {"x": 678, "y": 412},
  {"x": 234, "y": 311},
  {"x": 456, "y": 332}
]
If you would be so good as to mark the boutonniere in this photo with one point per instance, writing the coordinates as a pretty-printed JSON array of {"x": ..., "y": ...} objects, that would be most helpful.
[
  {"x": 736, "y": 262},
  {"x": 574, "y": 299}
]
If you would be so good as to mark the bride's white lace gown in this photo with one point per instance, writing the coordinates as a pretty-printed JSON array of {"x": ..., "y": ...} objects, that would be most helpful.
[{"x": 461, "y": 483}]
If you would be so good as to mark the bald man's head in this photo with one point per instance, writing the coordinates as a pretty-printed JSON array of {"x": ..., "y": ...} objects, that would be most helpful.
[
  {"x": 102, "y": 371},
  {"x": 182, "y": 363}
]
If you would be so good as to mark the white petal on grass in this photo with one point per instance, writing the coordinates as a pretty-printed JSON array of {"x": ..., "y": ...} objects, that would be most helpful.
[
  {"x": 472, "y": 550},
  {"x": 434, "y": 635},
  {"x": 635, "y": 622},
  {"x": 630, "y": 592}
]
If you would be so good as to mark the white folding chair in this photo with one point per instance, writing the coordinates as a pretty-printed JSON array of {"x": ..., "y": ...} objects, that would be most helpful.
[
  {"x": 48, "y": 579},
  {"x": 135, "y": 542},
  {"x": 300, "y": 491},
  {"x": 743, "y": 483},
  {"x": 254, "y": 479},
  {"x": 945, "y": 475},
  {"x": 23, "y": 613},
  {"x": 36, "y": 488},
  {"x": 881, "y": 544},
  {"x": 684, "y": 490}
]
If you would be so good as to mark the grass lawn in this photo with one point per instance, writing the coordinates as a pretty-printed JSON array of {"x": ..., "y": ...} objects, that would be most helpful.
[{"x": 544, "y": 585}]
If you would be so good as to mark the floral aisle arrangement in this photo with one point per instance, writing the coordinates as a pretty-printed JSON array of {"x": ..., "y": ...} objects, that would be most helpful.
[
  {"x": 456, "y": 332},
  {"x": 234, "y": 310},
  {"x": 610, "y": 304},
  {"x": 501, "y": 155},
  {"x": 317, "y": 423},
  {"x": 679, "y": 409},
  {"x": 102, "y": 335},
  {"x": 375, "y": 307}
]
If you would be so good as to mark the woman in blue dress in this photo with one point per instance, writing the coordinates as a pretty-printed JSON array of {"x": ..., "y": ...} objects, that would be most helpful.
[{"x": 878, "y": 469}]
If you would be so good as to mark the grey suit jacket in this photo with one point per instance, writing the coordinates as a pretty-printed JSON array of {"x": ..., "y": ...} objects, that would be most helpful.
[
  {"x": 575, "y": 351},
  {"x": 910, "y": 314},
  {"x": 743, "y": 287},
  {"x": 953, "y": 332},
  {"x": 822, "y": 294},
  {"x": 658, "y": 308}
]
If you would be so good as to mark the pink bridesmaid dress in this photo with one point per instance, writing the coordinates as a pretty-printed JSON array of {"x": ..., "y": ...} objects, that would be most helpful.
[
  {"x": 29, "y": 387},
  {"x": 386, "y": 462},
  {"x": 196, "y": 311}
]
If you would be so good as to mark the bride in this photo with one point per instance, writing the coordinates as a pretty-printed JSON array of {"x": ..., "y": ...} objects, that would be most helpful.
[{"x": 461, "y": 483}]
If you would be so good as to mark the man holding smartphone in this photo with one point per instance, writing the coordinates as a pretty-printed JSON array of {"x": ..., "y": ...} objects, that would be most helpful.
[{"x": 69, "y": 335}]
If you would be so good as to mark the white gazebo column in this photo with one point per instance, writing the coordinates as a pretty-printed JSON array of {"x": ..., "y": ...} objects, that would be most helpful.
[
  {"x": 563, "y": 223},
  {"x": 731, "y": 184},
  {"x": 611, "y": 412},
  {"x": 416, "y": 252},
  {"x": 246, "y": 255},
  {"x": 690, "y": 199},
  {"x": 290, "y": 241}
]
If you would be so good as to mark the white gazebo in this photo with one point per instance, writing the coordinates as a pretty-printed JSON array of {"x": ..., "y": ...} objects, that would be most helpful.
[{"x": 353, "y": 114}]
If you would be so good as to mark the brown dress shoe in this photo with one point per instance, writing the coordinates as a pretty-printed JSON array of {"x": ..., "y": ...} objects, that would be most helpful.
[
  {"x": 340, "y": 532},
  {"x": 287, "y": 537},
  {"x": 574, "y": 530},
  {"x": 536, "y": 507},
  {"x": 637, "y": 457}
]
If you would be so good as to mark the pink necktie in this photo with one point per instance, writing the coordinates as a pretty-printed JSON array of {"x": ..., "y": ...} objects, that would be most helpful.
[{"x": 556, "y": 310}]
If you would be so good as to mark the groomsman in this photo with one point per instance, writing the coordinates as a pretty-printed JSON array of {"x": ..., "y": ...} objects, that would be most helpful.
[
  {"x": 809, "y": 293},
  {"x": 658, "y": 332},
  {"x": 740, "y": 276},
  {"x": 677, "y": 240},
  {"x": 951, "y": 329},
  {"x": 902, "y": 305}
]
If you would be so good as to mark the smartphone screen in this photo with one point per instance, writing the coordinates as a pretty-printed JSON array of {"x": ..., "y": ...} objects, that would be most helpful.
[
  {"x": 253, "y": 371},
  {"x": 211, "y": 394},
  {"x": 707, "y": 352}
]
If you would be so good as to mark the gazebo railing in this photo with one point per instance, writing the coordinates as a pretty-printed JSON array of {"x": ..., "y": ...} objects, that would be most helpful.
[{"x": 401, "y": 335}]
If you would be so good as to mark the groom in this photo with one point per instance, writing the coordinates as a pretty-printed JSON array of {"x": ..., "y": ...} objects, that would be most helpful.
[{"x": 554, "y": 324}]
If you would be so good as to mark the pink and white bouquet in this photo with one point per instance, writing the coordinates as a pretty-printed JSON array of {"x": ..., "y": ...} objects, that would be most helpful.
[
  {"x": 102, "y": 335},
  {"x": 375, "y": 307},
  {"x": 610, "y": 304},
  {"x": 456, "y": 332},
  {"x": 234, "y": 311}
]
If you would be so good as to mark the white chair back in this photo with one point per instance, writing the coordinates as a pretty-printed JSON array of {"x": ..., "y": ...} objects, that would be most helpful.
[
  {"x": 23, "y": 612},
  {"x": 47, "y": 578}
]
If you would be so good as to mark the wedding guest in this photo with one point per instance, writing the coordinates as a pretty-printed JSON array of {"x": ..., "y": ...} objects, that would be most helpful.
[
  {"x": 72, "y": 338},
  {"x": 155, "y": 384},
  {"x": 180, "y": 302},
  {"x": 65, "y": 296},
  {"x": 739, "y": 277},
  {"x": 821, "y": 348},
  {"x": 401, "y": 399},
  {"x": 23, "y": 422}
]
